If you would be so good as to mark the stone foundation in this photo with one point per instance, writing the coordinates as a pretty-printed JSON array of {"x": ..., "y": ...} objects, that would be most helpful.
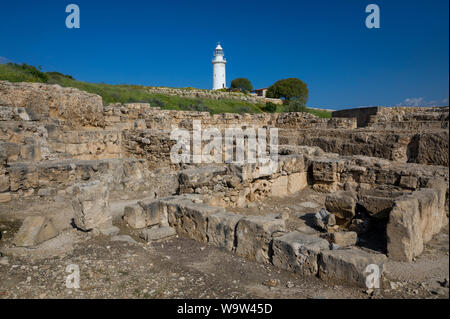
[{"x": 67, "y": 156}]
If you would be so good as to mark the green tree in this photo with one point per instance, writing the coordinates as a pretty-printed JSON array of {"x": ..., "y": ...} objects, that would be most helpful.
[
  {"x": 242, "y": 83},
  {"x": 289, "y": 89},
  {"x": 270, "y": 107}
]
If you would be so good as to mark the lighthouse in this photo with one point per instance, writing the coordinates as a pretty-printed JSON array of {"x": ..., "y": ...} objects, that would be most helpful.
[{"x": 219, "y": 62}]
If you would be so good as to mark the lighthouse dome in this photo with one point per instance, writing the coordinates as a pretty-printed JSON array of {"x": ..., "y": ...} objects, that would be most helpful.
[{"x": 219, "y": 50}]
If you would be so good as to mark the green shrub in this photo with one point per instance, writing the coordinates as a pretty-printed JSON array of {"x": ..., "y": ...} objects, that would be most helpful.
[
  {"x": 270, "y": 107},
  {"x": 32, "y": 71},
  {"x": 242, "y": 84},
  {"x": 243, "y": 109},
  {"x": 57, "y": 74},
  {"x": 295, "y": 106},
  {"x": 21, "y": 73},
  {"x": 156, "y": 102},
  {"x": 289, "y": 89}
]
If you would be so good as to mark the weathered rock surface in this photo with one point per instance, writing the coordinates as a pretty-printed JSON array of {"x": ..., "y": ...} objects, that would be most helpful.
[
  {"x": 157, "y": 233},
  {"x": 376, "y": 206},
  {"x": 403, "y": 230},
  {"x": 197, "y": 177},
  {"x": 298, "y": 252},
  {"x": 342, "y": 204},
  {"x": 135, "y": 217},
  {"x": 77, "y": 108},
  {"x": 323, "y": 220},
  {"x": 413, "y": 221},
  {"x": 147, "y": 214},
  {"x": 90, "y": 205},
  {"x": 221, "y": 229},
  {"x": 254, "y": 236},
  {"x": 123, "y": 238},
  {"x": 35, "y": 230},
  {"x": 348, "y": 266},
  {"x": 108, "y": 230},
  {"x": 344, "y": 238},
  {"x": 188, "y": 218}
]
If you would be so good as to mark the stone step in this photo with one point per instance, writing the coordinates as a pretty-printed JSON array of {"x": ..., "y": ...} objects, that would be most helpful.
[{"x": 158, "y": 233}]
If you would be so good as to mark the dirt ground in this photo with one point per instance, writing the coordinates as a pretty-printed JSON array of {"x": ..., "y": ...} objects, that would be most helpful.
[{"x": 182, "y": 268}]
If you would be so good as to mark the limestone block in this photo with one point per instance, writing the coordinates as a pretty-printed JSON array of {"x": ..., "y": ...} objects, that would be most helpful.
[
  {"x": 296, "y": 182},
  {"x": 431, "y": 217},
  {"x": 441, "y": 188},
  {"x": 325, "y": 187},
  {"x": 197, "y": 177},
  {"x": 91, "y": 205},
  {"x": 298, "y": 252},
  {"x": 157, "y": 233},
  {"x": 221, "y": 229},
  {"x": 251, "y": 171},
  {"x": 408, "y": 182},
  {"x": 11, "y": 151},
  {"x": 109, "y": 230},
  {"x": 254, "y": 236},
  {"x": 5, "y": 197},
  {"x": 23, "y": 176},
  {"x": 292, "y": 164},
  {"x": 348, "y": 266},
  {"x": 342, "y": 204},
  {"x": 344, "y": 238},
  {"x": 190, "y": 219},
  {"x": 404, "y": 238},
  {"x": 377, "y": 206},
  {"x": 279, "y": 187},
  {"x": 135, "y": 217},
  {"x": 325, "y": 170},
  {"x": 112, "y": 148},
  {"x": 4, "y": 183},
  {"x": 152, "y": 212},
  {"x": 30, "y": 152},
  {"x": 35, "y": 230}
]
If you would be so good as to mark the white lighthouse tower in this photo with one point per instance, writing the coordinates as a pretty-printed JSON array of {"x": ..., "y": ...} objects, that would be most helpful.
[{"x": 219, "y": 62}]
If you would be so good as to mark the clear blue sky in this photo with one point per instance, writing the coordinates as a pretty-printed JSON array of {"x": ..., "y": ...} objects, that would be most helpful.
[{"x": 170, "y": 43}]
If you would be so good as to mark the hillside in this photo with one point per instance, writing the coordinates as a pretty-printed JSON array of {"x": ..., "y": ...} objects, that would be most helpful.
[{"x": 134, "y": 93}]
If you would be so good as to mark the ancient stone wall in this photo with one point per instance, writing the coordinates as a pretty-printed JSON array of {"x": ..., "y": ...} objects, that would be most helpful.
[
  {"x": 428, "y": 147},
  {"x": 397, "y": 117},
  {"x": 77, "y": 108},
  {"x": 214, "y": 95},
  {"x": 66, "y": 156}
]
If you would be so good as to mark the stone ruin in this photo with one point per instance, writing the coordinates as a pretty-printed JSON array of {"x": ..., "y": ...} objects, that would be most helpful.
[{"x": 67, "y": 161}]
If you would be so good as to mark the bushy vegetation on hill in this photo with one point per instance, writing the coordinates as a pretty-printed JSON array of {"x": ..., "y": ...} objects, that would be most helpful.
[
  {"x": 289, "y": 90},
  {"x": 21, "y": 73},
  {"x": 242, "y": 84},
  {"x": 123, "y": 93}
]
